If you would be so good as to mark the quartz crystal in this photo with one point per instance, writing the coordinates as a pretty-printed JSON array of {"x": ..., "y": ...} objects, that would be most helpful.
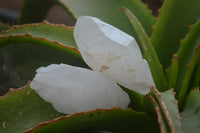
[
  {"x": 73, "y": 89},
  {"x": 109, "y": 50}
]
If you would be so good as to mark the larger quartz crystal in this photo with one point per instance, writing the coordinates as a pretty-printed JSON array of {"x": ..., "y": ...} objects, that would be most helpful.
[{"x": 109, "y": 50}]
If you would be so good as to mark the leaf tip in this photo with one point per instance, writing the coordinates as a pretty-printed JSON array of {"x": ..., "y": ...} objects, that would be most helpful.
[
  {"x": 190, "y": 26},
  {"x": 197, "y": 47},
  {"x": 175, "y": 58},
  {"x": 153, "y": 26},
  {"x": 122, "y": 9}
]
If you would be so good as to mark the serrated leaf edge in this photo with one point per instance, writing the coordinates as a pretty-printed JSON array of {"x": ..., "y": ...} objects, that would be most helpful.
[
  {"x": 164, "y": 109},
  {"x": 158, "y": 115},
  {"x": 37, "y": 24},
  {"x": 185, "y": 84},
  {"x": 70, "y": 116},
  {"x": 44, "y": 39},
  {"x": 12, "y": 90}
]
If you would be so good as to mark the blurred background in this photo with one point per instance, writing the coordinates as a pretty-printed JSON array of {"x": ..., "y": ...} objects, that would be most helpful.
[{"x": 10, "y": 12}]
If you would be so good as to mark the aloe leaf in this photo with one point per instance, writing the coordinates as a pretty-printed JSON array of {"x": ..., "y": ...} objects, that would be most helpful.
[
  {"x": 173, "y": 73},
  {"x": 22, "y": 108},
  {"x": 142, "y": 13},
  {"x": 171, "y": 104},
  {"x": 172, "y": 25},
  {"x": 30, "y": 12},
  {"x": 107, "y": 10},
  {"x": 137, "y": 100},
  {"x": 149, "y": 52},
  {"x": 185, "y": 54},
  {"x": 191, "y": 67},
  {"x": 4, "y": 26},
  {"x": 196, "y": 76},
  {"x": 37, "y": 45},
  {"x": 190, "y": 117},
  {"x": 114, "y": 120},
  {"x": 167, "y": 104},
  {"x": 51, "y": 32},
  {"x": 161, "y": 121}
]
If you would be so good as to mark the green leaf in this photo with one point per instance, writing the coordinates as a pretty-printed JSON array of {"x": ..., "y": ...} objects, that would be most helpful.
[
  {"x": 149, "y": 52},
  {"x": 191, "y": 115},
  {"x": 171, "y": 105},
  {"x": 139, "y": 102},
  {"x": 116, "y": 120},
  {"x": 161, "y": 121},
  {"x": 172, "y": 25},
  {"x": 143, "y": 14},
  {"x": 196, "y": 79},
  {"x": 30, "y": 12},
  {"x": 185, "y": 53},
  {"x": 37, "y": 45},
  {"x": 167, "y": 110},
  {"x": 53, "y": 32},
  {"x": 191, "y": 67},
  {"x": 173, "y": 73},
  {"x": 4, "y": 26},
  {"x": 22, "y": 108},
  {"x": 107, "y": 10}
]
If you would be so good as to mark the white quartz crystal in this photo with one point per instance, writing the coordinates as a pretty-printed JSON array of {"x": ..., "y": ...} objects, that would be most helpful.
[
  {"x": 108, "y": 50},
  {"x": 73, "y": 89}
]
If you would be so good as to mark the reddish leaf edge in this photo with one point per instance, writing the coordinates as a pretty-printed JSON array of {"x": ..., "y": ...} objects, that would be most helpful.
[
  {"x": 36, "y": 24},
  {"x": 161, "y": 109},
  {"x": 13, "y": 90},
  {"x": 41, "y": 38},
  {"x": 164, "y": 109},
  {"x": 159, "y": 115},
  {"x": 70, "y": 116},
  {"x": 190, "y": 68}
]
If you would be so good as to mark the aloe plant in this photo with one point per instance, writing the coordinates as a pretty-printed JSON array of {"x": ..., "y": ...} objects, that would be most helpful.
[{"x": 169, "y": 43}]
